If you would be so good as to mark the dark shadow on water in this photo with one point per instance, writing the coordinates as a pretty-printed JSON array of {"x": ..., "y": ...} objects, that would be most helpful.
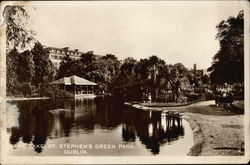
[
  {"x": 148, "y": 126},
  {"x": 40, "y": 120}
]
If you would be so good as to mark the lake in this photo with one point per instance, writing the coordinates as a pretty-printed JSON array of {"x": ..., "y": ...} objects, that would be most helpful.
[{"x": 92, "y": 127}]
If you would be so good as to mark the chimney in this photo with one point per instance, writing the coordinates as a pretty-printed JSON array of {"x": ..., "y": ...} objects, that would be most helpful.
[{"x": 194, "y": 67}]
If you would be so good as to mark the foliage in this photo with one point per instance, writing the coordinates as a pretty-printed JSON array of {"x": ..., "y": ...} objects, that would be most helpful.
[
  {"x": 29, "y": 67},
  {"x": 105, "y": 71},
  {"x": 19, "y": 68},
  {"x": 126, "y": 84},
  {"x": 177, "y": 76},
  {"x": 43, "y": 67},
  {"x": 208, "y": 96},
  {"x": 150, "y": 76},
  {"x": 193, "y": 96},
  {"x": 66, "y": 67},
  {"x": 101, "y": 71},
  {"x": 55, "y": 92},
  {"x": 26, "y": 89},
  {"x": 18, "y": 32},
  {"x": 131, "y": 79},
  {"x": 228, "y": 62},
  {"x": 25, "y": 67},
  {"x": 11, "y": 72}
]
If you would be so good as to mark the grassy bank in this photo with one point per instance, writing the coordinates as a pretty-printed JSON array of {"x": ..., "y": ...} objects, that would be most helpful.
[{"x": 216, "y": 135}]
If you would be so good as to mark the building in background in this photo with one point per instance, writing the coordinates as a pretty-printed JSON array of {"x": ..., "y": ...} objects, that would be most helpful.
[
  {"x": 56, "y": 55},
  {"x": 197, "y": 73},
  {"x": 198, "y": 78}
]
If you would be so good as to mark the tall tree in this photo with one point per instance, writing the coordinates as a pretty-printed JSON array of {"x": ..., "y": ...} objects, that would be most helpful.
[
  {"x": 103, "y": 71},
  {"x": 177, "y": 76},
  {"x": 11, "y": 72},
  {"x": 43, "y": 67},
  {"x": 228, "y": 62},
  {"x": 25, "y": 67},
  {"x": 154, "y": 71},
  {"x": 87, "y": 58},
  {"x": 66, "y": 67},
  {"x": 18, "y": 36},
  {"x": 126, "y": 84}
]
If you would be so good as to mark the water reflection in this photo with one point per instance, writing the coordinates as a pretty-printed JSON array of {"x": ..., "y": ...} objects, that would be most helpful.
[
  {"x": 152, "y": 128},
  {"x": 40, "y": 121}
]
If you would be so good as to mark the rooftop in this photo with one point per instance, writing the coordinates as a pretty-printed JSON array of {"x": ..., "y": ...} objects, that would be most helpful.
[{"x": 73, "y": 80}]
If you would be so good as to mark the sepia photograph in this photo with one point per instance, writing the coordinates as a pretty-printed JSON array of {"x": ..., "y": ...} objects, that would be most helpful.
[{"x": 128, "y": 82}]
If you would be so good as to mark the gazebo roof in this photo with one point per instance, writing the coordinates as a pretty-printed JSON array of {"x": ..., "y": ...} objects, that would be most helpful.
[{"x": 72, "y": 80}]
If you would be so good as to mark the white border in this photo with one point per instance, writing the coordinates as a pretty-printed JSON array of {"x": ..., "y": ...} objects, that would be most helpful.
[{"x": 5, "y": 159}]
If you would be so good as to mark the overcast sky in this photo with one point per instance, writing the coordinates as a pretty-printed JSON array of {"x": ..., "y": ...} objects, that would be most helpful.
[{"x": 176, "y": 32}]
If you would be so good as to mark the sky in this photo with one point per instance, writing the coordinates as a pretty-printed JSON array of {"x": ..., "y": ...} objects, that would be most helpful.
[{"x": 175, "y": 32}]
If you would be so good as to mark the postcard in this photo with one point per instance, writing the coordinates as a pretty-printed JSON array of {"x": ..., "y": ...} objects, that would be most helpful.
[{"x": 124, "y": 82}]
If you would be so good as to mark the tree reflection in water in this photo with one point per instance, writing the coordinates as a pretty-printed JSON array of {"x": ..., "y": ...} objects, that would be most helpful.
[
  {"x": 149, "y": 127},
  {"x": 39, "y": 120}
]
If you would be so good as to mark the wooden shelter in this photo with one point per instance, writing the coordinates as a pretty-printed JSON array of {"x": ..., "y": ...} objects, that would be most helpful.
[{"x": 78, "y": 86}]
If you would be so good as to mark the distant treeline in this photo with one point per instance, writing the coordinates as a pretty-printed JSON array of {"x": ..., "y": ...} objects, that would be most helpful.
[
  {"x": 29, "y": 74},
  {"x": 131, "y": 78}
]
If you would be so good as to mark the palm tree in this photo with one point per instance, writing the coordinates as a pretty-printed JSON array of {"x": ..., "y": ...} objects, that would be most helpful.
[{"x": 154, "y": 71}]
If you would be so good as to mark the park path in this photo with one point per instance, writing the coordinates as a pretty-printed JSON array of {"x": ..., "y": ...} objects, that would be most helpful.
[
  {"x": 209, "y": 102},
  {"x": 217, "y": 131}
]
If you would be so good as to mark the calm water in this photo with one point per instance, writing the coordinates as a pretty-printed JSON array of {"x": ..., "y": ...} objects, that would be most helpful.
[{"x": 101, "y": 127}]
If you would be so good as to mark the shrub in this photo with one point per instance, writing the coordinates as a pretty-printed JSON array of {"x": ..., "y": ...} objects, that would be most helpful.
[
  {"x": 55, "y": 92},
  {"x": 238, "y": 92},
  {"x": 208, "y": 96},
  {"x": 26, "y": 89},
  {"x": 193, "y": 96},
  {"x": 182, "y": 99}
]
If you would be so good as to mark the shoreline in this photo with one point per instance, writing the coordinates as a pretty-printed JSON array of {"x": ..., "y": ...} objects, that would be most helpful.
[
  {"x": 198, "y": 137},
  {"x": 211, "y": 125},
  {"x": 25, "y": 98}
]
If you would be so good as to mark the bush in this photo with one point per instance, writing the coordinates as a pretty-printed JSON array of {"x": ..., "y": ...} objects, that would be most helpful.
[
  {"x": 208, "y": 96},
  {"x": 182, "y": 99},
  {"x": 26, "y": 89},
  {"x": 238, "y": 92},
  {"x": 55, "y": 92},
  {"x": 193, "y": 96}
]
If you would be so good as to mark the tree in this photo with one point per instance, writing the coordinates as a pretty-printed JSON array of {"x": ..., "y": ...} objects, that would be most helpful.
[
  {"x": 228, "y": 62},
  {"x": 25, "y": 67},
  {"x": 109, "y": 56},
  {"x": 154, "y": 71},
  {"x": 18, "y": 32},
  {"x": 87, "y": 58},
  {"x": 103, "y": 71},
  {"x": 43, "y": 67},
  {"x": 18, "y": 35},
  {"x": 128, "y": 66},
  {"x": 126, "y": 84},
  {"x": 66, "y": 67},
  {"x": 12, "y": 60},
  {"x": 177, "y": 76}
]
